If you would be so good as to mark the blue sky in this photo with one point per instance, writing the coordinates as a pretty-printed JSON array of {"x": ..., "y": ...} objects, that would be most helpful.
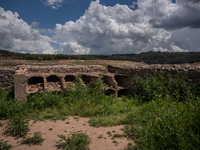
[
  {"x": 99, "y": 26},
  {"x": 36, "y": 10}
]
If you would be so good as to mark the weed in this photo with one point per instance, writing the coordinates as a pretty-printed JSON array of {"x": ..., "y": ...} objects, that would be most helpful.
[
  {"x": 35, "y": 140},
  {"x": 17, "y": 127},
  {"x": 119, "y": 135},
  {"x": 115, "y": 142},
  {"x": 77, "y": 118},
  {"x": 4, "y": 145},
  {"x": 50, "y": 129},
  {"x": 113, "y": 131},
  {"x": 67, "y": 122},
  {"x": 1, "y": 124},
  {"x": 108, "y": 132},
  {"x": 75, "y": 141},
  {"x": 100, "y": 136}
]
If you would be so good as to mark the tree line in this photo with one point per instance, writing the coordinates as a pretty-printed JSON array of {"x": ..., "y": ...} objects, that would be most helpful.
[{"x": 147, "y": 57}]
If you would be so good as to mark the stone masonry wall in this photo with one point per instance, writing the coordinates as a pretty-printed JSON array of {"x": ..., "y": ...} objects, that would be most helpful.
[
  {"x": 191, "y": 74},
  {"x": 33, "y": 79},
  {"x": 6, "y": 78}
]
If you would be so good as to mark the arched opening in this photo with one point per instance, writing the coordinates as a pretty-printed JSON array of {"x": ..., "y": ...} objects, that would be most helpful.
[
  {"x": 70, "y": 78},
  {"x": 123, "y": 92},
  {"x": 70, "y": 82},
  {"x": 122, "y": 81},
  {"x": 53, "y": 83},
  {"x": 35, "y": 84},
  {"x": 53, "y": 78},
  {"x": 88, "y": 78},
  {"x": 35, "y": 80}
]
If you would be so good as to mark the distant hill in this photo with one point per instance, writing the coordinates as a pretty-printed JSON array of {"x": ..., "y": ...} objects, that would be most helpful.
[
  {"x": 147, "y": 57},
  {"x": 129, "y": 55},
  {"x": 168, "y": 58}
]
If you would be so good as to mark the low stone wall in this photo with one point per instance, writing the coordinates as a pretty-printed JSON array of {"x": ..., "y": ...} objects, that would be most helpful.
[
  {"x": 32, "y": 79},
  {"x": 191, "y": 74},
  {"x": 6, "y": 78}
]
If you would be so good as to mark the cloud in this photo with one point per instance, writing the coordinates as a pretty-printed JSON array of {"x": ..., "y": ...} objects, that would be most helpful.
[
  {"x": 171, "y": 16},
  {"x": 35, "y": 24},
  {"x": 155, "y": 25},
  {"x": 16, "y": 35},
  {"x": 158, "y": 25},
  {"x": 55, "y": 4}
]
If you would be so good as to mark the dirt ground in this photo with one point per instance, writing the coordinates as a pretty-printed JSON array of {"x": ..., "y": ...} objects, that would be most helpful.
[
  {"x": 72, "y": 62},
  {"x": 66, "y": 127}
]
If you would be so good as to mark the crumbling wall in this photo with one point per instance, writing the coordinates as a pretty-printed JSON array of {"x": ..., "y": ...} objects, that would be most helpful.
[
  {"x": 191, "y": 74},
  {"x": 33, "y": 79},
  {"x": 6, "y": 78}
]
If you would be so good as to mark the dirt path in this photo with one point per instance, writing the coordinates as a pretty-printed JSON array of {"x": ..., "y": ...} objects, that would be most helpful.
[{"x": 66, "y": 127}]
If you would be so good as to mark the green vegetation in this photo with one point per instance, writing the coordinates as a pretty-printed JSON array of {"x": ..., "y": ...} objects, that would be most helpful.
[
  {"x": 35, "y": 140},
  {"x": 168, "y": 58},
  {"x": 75, "y": 141},
  {"x": 17, "y": 127},
  {"x": 148, "y": 57},
  {"x": 4, "y": 145},
  {"x": 161, "y": 113},
  {"x": 119, "y": 135},
  {"x": 100, "y": 136}
]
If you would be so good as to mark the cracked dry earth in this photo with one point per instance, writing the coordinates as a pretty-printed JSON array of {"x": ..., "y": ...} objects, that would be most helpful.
[{"x": 66, "y": 127}]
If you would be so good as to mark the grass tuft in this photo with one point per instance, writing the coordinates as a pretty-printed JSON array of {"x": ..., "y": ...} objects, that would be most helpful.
[
  {"x": 4, "y": 145},
  {"x": 17, "y": 127},
  {"x": 75, "y": 141},
  {"x": 35, "y": 140}
]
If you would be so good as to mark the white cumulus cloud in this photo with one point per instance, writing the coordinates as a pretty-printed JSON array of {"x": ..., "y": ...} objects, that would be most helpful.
[
  {"x": 155, "y": 25},
  {"x": 16, "y": 35}
]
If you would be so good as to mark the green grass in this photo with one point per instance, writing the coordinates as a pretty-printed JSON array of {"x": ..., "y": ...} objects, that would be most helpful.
[
  {"x": 4, "y": 145},
  {"x": 75, "y": 141},
  {"x": 35, "y": 140}
]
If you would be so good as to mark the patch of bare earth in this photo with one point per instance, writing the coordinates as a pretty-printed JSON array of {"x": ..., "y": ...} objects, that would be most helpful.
[{"x": 50, "y": 130}]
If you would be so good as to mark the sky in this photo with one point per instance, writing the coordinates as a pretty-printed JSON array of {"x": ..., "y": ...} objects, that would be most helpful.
[{"x": 105, "y": 27}]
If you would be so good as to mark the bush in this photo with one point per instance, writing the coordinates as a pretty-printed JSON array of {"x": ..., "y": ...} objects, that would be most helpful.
[
  {"x": 17, "y": 127},
  {"x": 41, "y": 101},
  {"x": 166, "y": 125},
  {"x": 75, "y": 141},
  {"x": 160, "y": 86}
]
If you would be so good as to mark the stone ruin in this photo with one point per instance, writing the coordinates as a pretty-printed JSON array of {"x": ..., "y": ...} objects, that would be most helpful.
[{"x": 36, "y": 79}]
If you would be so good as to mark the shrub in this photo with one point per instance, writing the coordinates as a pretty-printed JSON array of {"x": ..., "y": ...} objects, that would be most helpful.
[
  {"x": 41, "y": 101},
  {"x": 17, "y": 127},
  {"x": 166, "y": 125},
  {"x": 75, "y": 141},
  {"x": 160, "y": 86}
]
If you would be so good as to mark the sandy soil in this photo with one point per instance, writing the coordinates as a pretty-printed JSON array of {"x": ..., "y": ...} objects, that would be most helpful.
[{"x": 61, "y": 127}]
